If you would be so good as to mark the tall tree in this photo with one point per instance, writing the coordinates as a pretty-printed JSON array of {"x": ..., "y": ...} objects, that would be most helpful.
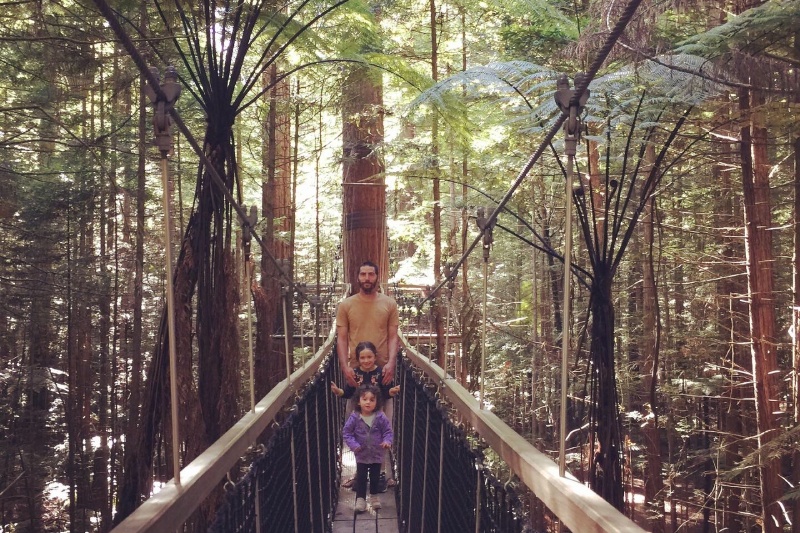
[
  {"x": 276, "y": 204},
  {"x": 364, "y": 194},
  {"x": 760, "y": 283}
]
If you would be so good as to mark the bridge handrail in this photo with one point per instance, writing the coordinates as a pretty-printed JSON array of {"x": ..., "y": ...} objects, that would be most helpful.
[
  {"x": 169, "y": 508},
  {"x": 575, "y": 504}
]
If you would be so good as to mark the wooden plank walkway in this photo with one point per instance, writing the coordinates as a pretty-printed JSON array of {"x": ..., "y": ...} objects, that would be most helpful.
[{"x": 346, "y": 520}]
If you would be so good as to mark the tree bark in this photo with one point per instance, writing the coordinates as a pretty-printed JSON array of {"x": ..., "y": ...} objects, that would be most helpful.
[
  {"x": 276, "y": 205},
  {"x": 605, "y": 473},
  {"x": 364, "y": 195},
  {"x": 760, "y": 281},
  {"x": 650, "y": 346}
]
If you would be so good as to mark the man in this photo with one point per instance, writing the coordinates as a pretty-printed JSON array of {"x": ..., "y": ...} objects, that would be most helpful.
[{"x": 368, "y": 315}]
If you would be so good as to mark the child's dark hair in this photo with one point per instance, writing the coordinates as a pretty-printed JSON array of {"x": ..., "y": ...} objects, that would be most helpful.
[
  {"x": 362, "y": 390},
  {"x": 365, "y": 345}
]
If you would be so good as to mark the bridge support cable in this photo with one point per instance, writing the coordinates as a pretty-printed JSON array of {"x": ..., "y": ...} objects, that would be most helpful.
[
  {"x": 487, "y": 229},
  {"x": 574, "y": 504},
  {"x": 163, "y": 97},
  {"x": 448, "y": 268},
  {"x": 285, "y": 296},
  {"x": 252, "y": 219}
]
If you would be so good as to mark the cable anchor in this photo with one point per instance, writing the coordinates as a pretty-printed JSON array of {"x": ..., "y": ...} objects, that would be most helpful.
[
  {"x": 568, "y": 103},
  {"x": 487, "y": 228},
  {"x": 163, "y": 102},
  {"x": 248, "y": 225}
]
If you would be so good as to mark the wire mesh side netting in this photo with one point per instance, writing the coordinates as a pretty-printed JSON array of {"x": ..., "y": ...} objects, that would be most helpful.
[
  {"x": 294, "y": 479},
  {"x": 443, "y": 485}
]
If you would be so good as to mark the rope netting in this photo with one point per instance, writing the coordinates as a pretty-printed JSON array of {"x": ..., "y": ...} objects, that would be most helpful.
[
  {"x": 292, "y": 485},
  {"x": 442, "y": 483}
]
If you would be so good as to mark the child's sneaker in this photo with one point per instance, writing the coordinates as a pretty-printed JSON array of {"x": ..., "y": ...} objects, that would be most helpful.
[
  {"x": 361, "y": 505},
  {"x": 374, "y": 502},
  {"x": 382, "y": 483}
]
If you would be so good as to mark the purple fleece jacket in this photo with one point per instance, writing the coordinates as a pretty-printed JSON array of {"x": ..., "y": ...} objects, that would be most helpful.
[{"x": 357, "y": 434}]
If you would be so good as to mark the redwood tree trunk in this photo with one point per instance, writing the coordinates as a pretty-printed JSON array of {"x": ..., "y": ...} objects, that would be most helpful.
[
  {"x": 364, "y": 195},
  {"x": 758, "y": 247},
  {"x": 276, "y": 204}
]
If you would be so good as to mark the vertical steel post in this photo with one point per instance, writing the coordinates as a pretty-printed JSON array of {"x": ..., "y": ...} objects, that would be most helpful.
[
  {"x": 572, "y": 104},
  {"x": 247, "y": 229},
  {"x": 173, "y": 364},
  {"x": 562, "y": 461},
  {"x": 163, "y": 102},
  {"x": 481, "y": 395},
  {"x": 487, "y": 229}
]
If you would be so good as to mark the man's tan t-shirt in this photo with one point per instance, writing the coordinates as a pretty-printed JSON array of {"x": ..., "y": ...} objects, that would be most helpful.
[{"x": 368, "y": 320}]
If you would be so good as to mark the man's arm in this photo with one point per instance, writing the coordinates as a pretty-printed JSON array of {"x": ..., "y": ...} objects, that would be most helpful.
[
  {"x": 392, "y": 344},
  {"x": 343, "y": 351}
]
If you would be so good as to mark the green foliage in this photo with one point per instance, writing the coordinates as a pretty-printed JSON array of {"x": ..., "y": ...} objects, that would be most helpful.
[
  {"x": 781, "y": 447},
  {"x": 770, "y": 25},
  {"x": 535, "y": 30}
]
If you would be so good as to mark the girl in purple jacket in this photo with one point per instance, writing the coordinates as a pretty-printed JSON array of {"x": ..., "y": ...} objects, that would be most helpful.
[{"x": 368, "y": 433}]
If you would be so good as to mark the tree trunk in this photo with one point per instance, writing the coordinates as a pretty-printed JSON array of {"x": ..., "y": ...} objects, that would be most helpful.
[
  {"x": 33, "y": 429},
  {"x": 276, "y": 205},
  {"x": 758, "y": 246},
  {"x": 364, "y": 195},
  {"x": 650, "y": 346},
  {"x": 605, "y": 473}
]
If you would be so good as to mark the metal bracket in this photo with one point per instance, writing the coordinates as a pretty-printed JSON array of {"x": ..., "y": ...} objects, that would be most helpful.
[
  {"x": 163, "y": 104},
  {"x": 566, "y": 101}
]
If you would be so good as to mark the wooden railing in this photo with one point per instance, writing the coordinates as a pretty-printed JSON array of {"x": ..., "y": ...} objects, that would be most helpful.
[{"x": 169, "y": 508}]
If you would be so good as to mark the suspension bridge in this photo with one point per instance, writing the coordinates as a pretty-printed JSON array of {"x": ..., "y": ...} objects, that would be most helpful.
[{"x": 293, "y": 482}]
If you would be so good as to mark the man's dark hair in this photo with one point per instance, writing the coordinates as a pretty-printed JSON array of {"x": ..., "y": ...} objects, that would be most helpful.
[{"x": 369, "y": 264}]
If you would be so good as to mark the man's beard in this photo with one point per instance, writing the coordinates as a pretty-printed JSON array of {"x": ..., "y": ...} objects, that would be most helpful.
[{"x": 367, "y": 289}]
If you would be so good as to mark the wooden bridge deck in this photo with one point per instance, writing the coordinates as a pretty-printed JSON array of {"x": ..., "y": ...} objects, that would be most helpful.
[{"x": 347, "y": 521}]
